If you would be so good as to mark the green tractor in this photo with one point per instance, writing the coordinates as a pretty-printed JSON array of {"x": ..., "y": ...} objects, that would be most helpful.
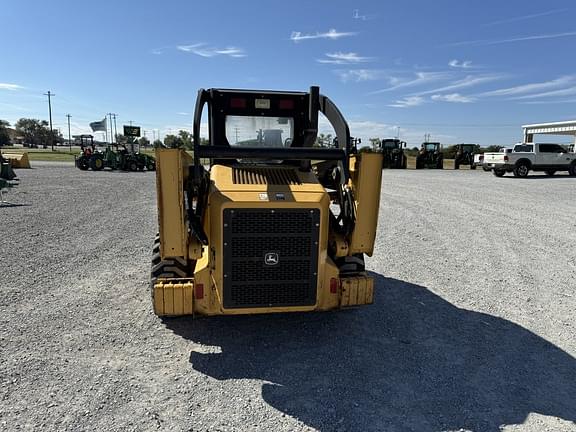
[
  {"x": 113, "y": 156},
  {"x": 430, "y": 156},
  {"x": 393, "y": 152},
  {"x": 465, "y": 155}
]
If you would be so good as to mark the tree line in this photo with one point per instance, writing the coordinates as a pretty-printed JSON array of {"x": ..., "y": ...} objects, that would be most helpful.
[{"x": 33, "y": 132}]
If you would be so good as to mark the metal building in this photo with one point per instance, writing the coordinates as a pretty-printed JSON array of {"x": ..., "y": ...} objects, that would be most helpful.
[{"x": 557, "y": 128}]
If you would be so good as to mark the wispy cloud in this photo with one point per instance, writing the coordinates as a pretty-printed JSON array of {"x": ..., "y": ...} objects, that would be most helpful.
[
  {"x": 360, "y": 75},
  {"x": 419, "y": 79},
  {"x": 183, "y": 113},
  {"x": 205, "y": 50},
  {"x": 550, "y": 101},
  {"x": 533, "y": 87},
  {"x": 526, "y": 17},
  {"x": 356, "y": 15},
  {"x": 407, "y": 102},
  {"x": 570, "y": 91},
  {"x": 9, "y": 86},
  {"x": 486, "y": 42},
  {"x": 453, "y": 98},
  {"x": 297, "y": 36},
  {"x": 460, "y": 64},
  {"x": 344, "y": 58},
  {"x": 469, "y": 81}
]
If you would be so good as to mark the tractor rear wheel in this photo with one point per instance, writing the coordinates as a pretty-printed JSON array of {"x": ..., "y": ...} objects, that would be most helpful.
[
  {"x": 572, "y": 169},
  {"x": 96, "y": 162}
]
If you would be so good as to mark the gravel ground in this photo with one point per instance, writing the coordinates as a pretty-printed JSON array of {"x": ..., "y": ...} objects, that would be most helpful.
[{"x": 473, "y": 326}]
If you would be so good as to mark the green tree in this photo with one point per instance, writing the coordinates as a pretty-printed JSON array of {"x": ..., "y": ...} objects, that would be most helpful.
[
  {"x": 35, "y": 132},
  {"x": 4, "y": 135},
  {"x": 186, "y": 138},
  {"x": 491, "y": 149},
  {"x": 144, "y": 142},
  {"x": 173, "y": 141},
  {"x": 323, "y": 140},
  {"x": 122, "y": 139},
  {"x": 157, "y": 143}
]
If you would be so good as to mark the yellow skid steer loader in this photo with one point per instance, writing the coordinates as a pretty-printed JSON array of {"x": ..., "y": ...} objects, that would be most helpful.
[{"x": 246, "y": 225}]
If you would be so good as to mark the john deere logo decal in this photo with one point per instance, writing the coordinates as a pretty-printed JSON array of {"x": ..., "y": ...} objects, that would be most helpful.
[{"x": 271, "y": 258}]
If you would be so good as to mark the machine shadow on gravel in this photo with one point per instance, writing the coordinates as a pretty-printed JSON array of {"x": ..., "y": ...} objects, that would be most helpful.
[{"x": 411, "y": 361}]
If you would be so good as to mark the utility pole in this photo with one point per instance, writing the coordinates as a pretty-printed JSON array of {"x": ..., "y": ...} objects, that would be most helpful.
[
  {"x": 115, "y": 130},
  {"x": 111, "y": 128},
  {"x": 49, "y": 94},
  {"x": 69, "y": 136},
  {"x": 130, "y": 121},
  {"x": 397, "y": 132}
]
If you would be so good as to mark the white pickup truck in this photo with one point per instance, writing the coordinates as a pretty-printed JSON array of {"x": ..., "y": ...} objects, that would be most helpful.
[
  {"x": 526, "y": 157},
  {"x": 479, "y": 158}
]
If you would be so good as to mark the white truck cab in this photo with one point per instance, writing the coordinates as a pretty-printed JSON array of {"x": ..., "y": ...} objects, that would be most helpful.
[{"x": 526, "y": 157}]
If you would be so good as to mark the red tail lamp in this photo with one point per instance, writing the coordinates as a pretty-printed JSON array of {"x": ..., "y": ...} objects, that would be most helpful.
[
  {"x": 199, "y": 291},
  {"x": 287, "y": 104},
  {"x": 334, "y": 285},
  {"x": 237, "y": 103}
]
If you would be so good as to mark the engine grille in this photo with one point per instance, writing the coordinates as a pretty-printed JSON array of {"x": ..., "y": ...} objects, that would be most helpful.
[
  {"x": 267, "y": 176},
  {"x": 270, "y": 257}
]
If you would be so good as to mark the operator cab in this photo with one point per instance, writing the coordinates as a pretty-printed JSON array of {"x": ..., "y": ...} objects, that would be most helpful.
[{"x": 268, "y": 127}]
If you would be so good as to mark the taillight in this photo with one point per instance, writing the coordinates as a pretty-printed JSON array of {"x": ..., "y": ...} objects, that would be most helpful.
[
  {"x": 481, "y": 157},
  {"x": 286, "y": 104},
  {"x": 506, "y": 158},
  {"x": 199, "y": 291},
  {"x": 237, "y": 103},
  {"x": 333, "y": 285}
]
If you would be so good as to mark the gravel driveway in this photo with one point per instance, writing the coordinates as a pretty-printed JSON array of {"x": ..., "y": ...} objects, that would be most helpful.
[{"x": 473, "y": 326}]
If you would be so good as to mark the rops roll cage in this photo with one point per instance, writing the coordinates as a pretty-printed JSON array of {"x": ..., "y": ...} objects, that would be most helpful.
[{"x": 302, "y": 107}]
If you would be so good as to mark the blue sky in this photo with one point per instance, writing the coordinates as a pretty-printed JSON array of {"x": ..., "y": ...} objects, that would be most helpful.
[{"x": 461, "y": 71}]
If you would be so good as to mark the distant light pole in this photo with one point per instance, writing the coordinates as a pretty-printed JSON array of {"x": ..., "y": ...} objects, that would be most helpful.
[
  {"x": 69, "y": 137},
  {"x": 115, "y": 130},
  {"x": 49, "y": 94}
]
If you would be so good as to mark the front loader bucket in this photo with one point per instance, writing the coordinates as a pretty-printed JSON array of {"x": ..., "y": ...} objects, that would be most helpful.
[
  {"x": 449, "y": 164},
  {"x": 411, "y": 162},
  {"x": 18, "y": 160}
]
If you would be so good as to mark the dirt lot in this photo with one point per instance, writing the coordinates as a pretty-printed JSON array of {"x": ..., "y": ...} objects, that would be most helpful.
[{"x": 473, "y": 326}]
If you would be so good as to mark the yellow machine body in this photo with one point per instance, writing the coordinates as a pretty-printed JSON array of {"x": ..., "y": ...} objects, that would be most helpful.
[
  {"x": 260, "y": 219},
  {"x": 237, "y": 188}
]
